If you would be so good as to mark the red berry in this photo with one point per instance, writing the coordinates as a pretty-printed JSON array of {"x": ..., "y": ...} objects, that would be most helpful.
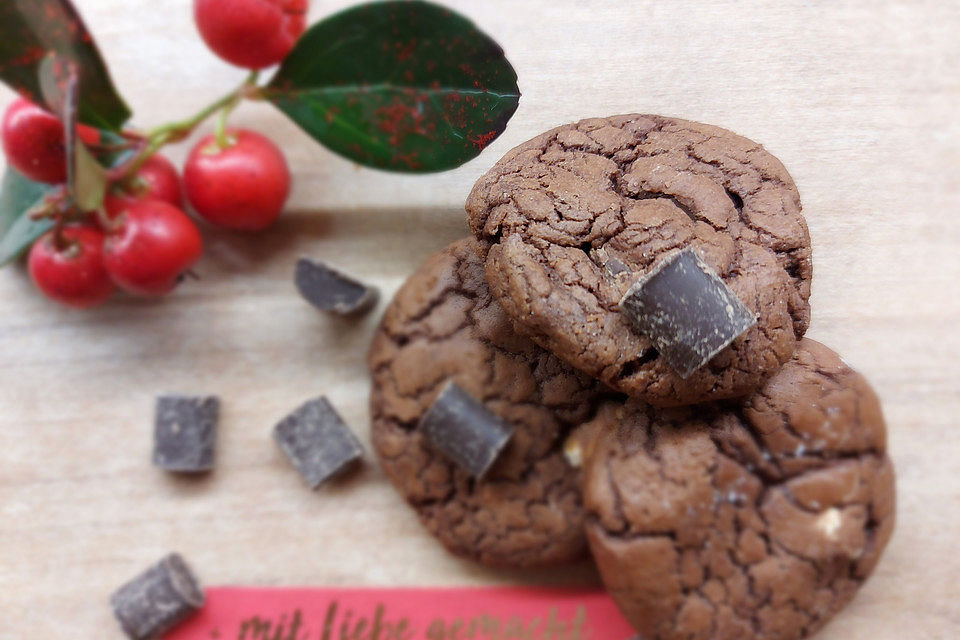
[
  {"x": 155, "y": 243},
  {"x": 157, "y": 179},
  {"x": 251, "y": 33},
  {"x": 33, "y": 141},
  {"x": 73, "y": 273},
  {"x": 241, "y": 187}
]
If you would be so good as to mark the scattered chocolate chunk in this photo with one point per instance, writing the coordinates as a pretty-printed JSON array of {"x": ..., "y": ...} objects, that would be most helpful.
[
  {"x": 686, "y": 310},
  {"x": 318, "y": 442},
  {"x": 614, "y": 266},
  {"x": 158, "y": 599},
  {"x": 464, "y": 430},
  {"x": 185, "y": 433},
  {"x": 329, "y": 290}
]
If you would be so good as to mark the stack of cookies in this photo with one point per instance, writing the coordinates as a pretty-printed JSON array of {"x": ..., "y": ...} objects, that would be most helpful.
[{"x": 615, "y": 362}]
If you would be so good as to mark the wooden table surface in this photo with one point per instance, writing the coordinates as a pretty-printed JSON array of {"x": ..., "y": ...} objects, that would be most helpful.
[{"x": 859, "y": 98}]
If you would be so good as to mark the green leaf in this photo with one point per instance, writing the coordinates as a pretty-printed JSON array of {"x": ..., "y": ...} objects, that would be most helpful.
[
  {"x": 86, "y": 179},
  {"x": 19, "y": 195},
  {"x": 404, "y": 86},
  {"x": 30, "y": 29},
  {"x": 89, "y": 184}
]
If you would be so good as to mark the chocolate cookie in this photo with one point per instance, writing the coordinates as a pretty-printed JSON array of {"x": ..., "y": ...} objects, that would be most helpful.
[
  {"x": 444, "y": 325},
  {"x": 578, "y": 214},
  {"x": 744, "y": 521}
]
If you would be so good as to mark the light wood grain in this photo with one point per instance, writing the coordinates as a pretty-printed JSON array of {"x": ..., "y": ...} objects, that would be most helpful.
[{"x": 859, "y": 98}]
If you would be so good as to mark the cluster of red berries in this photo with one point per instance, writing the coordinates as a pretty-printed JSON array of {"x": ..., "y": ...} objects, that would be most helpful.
[{"x": 144, "y": 242}]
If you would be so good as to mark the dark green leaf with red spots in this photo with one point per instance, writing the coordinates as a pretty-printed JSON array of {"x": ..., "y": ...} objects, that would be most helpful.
[
  {"x": 30, "y": 30},
  {"x": 404, "y": 86}
]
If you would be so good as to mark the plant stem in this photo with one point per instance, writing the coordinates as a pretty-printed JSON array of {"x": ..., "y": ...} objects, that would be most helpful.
[
  {"x": 223, "y": 140},
  {"x": 244, "y": 92},
  {"x": 183, "y": 128},
  {"x": 107, "y": 223},
  {"x": 59, "y": 240},
  {"x": 53, "y": 205},
  {"x": 175, "y": 131}
]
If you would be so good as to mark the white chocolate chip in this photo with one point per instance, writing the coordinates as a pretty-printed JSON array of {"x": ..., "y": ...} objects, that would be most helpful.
[
  {"x": 829, "y": 522},
  {"x": 573, "y": 451}
]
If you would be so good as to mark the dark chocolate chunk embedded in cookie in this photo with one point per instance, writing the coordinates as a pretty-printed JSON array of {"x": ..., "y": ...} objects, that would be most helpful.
[
  {"x": 460, "y": 427},
  {"x": 686, "y": 310},
  {"x": 442, "y": 326},
  {"x": 577, "y": 215},
  {"x": 752, "y": 520}
]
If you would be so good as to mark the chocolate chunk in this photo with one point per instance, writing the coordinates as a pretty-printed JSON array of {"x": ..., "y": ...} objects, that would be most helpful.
[
  {"x": 686, "y": 310},
  {"x": 329, "y": 290},
  {"x": 614, "y": 266},
  {"x": 464, "y": 430},
  {"x": 318, "y": 442},
  {"x": 158, "y": 599},
  {"x": 185, "y": 433}
]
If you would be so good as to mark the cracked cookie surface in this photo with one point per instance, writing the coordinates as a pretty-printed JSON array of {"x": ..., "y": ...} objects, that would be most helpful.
[
  {"x": 444, "y": 325},
  {"x": 737, "y": 521},
  {"x": 577, "y": 214}
]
